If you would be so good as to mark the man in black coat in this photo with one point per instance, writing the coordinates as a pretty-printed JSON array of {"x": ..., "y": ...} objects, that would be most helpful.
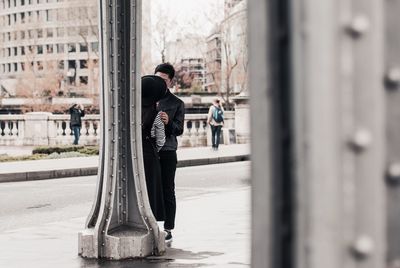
[
  {"x": 173, "y": 115},
  {"x": 76, "y": 112}
]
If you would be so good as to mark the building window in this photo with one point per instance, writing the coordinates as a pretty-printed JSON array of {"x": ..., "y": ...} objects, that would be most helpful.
[
  {"x": 72, "y": 31},
  {"x": 9, "y": 52},
  {"x": 95, "y": 46},
  {"x": 23, "y": 17},
  {"x": 83, "y": 64},
  {"x": 8, "y": 67},
  {"x": 60, "y": 48},
  {"x": 31, "y": 34},
  {"x": 22, "y": 2},
  {"x": 15, "y": 51},
  {"x": 40, "y": 49},
  {"x": 71, "y": 64},
  {"x": 22, "y": 34},
  {"x": 40, "y": 33},
  {"x": 83, "y": 47},
  {"x": 60, "y": 32},
  {"x": 40, "y": 65},
  {"x": 61, "y": 65},
  {"x": 15, "y": 67},
  {"x": 49, "y": 49},
  {"x": 71, "y": 48},
  {"x": 22, "y": 50},
  {"x": 52, "y": 15},
  {"x": 22, "y": 66},
  {"x": 32, "y": 49},
  {"x": 83, "y": 80},
  {"x": 50, "y": 33}
]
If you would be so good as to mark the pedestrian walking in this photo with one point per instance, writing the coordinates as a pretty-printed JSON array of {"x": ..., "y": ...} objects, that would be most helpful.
[
  {"x": 76, "y": 113},
  {"x": 215, "y": 119},
  {"x": 172, "y": 114},
  {"x": 153, "y": 139}
]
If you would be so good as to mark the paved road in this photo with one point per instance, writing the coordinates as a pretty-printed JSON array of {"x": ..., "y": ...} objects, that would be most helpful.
[{"x": 24, "y": 204}]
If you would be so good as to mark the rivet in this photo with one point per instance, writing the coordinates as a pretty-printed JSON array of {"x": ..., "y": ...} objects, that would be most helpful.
[
  {"x": 124, "y": 212},
  {"x": 363, "y": 246},
  {"x": 103, "y": 232},
  {"x": 392, "y": 78},
  {"x": 124, "y": 196},
  {"x": 359, "y": 25},
  {"x": 110, "y": 193},
  {"x": 393, "y": 172},
  {"x": 361, "y": 140},
  {"x": 102, "y": 244}
]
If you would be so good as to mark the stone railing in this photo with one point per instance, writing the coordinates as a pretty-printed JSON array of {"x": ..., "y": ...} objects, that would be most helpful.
[
  {"x": 41, "y": 128},
  {"x": 198, "y": 133}
]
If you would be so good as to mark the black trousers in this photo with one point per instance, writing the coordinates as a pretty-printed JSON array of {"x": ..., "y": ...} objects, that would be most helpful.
[
  {"x": 215, "y": 135},
  {"x": 168, "y": 161}
]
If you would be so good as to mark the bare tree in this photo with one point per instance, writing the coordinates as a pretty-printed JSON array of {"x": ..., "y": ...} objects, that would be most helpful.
[{"x": 234, "y": 67}]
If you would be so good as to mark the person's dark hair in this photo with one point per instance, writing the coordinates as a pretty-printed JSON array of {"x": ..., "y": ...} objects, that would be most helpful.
[{"x": 166, "y": 68}]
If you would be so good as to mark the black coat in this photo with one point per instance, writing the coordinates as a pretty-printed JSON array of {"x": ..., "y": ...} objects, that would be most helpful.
[
  {"x": 175, "y": 108},
  {"x": 153, "y": 89}
]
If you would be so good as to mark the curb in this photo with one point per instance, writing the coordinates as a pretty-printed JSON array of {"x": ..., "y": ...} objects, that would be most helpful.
[{"x": 90, "y": 171}]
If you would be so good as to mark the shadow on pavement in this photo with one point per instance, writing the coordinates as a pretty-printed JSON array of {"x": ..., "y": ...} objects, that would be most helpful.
[{"x": 169, "y": 259}]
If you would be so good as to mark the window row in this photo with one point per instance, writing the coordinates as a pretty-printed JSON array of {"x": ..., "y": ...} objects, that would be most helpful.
[
  {"x": 83, "y": 31},
  {"x": 19, "y": 3},
  {"x": 49, "y": 49},
  {"x": 72, "y": 66},
  {"x": 50, "y": 15}
]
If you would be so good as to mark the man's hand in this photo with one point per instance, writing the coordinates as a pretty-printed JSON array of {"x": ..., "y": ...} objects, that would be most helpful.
[{"x": 164, "y": 117}]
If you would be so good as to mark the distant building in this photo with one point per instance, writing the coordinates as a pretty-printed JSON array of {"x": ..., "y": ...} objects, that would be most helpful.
[
  {"x": 234, "y": 50},
  {"x": 48, "y": 46},
  {"x": 213, "y": 61},
  {"x": 188, "y": 54},
  {"x": 51, "y": 47}
]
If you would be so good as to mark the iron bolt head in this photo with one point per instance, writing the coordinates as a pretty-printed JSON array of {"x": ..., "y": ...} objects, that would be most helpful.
[
  {"x": 362, "y": 139},
  {"x": 363, "y": 246},
  {"x": 392, "y": 78},
  {"x": 393, "y": 172},
  {"x": 359, "y": 25}
]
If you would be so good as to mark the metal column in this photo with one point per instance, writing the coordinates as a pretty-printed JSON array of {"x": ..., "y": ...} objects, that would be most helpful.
[
  {"x": 121, "y": 224},
  {"x": 392, "y": 82},
  {"x": 318, "y": 137}
]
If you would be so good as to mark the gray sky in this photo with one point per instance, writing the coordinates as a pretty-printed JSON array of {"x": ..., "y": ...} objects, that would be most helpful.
[{"x": 191, "y": 15}]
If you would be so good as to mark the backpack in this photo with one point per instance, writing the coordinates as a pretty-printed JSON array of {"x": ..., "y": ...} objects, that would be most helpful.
[{"x": 218, "y": 115}]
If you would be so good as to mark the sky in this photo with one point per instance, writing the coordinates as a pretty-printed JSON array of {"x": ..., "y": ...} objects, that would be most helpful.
[{"x": 191, "y": 15}]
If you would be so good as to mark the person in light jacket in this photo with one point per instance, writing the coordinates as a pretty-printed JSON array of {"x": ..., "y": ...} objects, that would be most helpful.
[{"x": 215, "y": 119}]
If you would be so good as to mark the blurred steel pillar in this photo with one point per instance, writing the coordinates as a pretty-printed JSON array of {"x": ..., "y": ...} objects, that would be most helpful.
[
  {"x": 392, "y": 82},
  {"x": 318, "y": 137},
  {"x": 120, "y": 224}
]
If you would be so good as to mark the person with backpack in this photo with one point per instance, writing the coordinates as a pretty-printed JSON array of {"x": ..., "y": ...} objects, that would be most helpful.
[
  {"x": 76, "y": 111},
  {"x": 215, "y": 119}
]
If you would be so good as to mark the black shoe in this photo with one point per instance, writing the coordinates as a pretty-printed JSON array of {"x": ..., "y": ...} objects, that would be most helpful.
[{"x": 168, "y": 236}]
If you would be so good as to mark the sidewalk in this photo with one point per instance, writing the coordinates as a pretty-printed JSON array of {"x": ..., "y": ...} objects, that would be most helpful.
[
  {"x": 84, "y": 166},
  {"x": 214, "y": 231}
]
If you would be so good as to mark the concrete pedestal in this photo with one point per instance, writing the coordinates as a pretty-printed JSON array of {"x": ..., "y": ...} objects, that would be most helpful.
[
  {"x": 242, "y": 118},
  {"x": 36, "y": 128}
]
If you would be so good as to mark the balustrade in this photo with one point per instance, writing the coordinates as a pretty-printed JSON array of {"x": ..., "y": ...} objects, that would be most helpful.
[{"x": 13, "y": 129}]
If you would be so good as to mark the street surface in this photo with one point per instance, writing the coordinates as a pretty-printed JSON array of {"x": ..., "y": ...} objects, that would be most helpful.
[
  {"x": 43, "y": 217},
  {"x": 35, "y": 202}
]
